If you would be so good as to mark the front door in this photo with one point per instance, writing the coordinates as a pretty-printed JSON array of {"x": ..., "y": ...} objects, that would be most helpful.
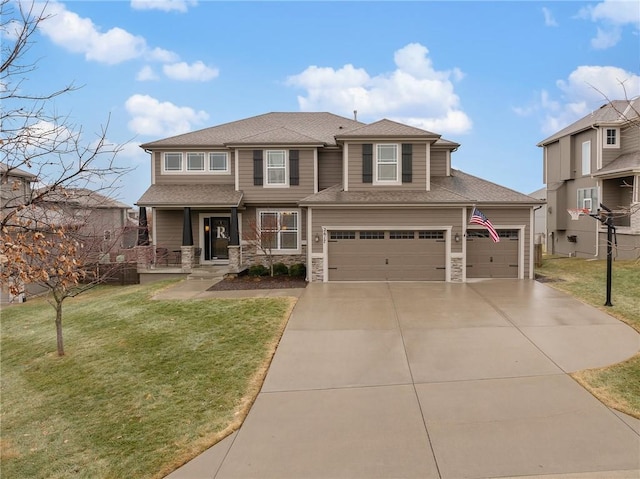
[{"x": 216, "y": 238}]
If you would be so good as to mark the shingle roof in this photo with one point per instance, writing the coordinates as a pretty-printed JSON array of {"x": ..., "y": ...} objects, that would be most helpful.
[
  {"x": 629, "y": 162},
  {"x": 16, "y": 172},
  {"x": 277, "y": 136},
  {"x": 458, "y": 188},
  {"x": 191, "y": 195},
  {"x": 83, "y": 197},
  {"x": 617, "y": 111},
  {"x": 386, "y": 128},
  {"x": 319, "y": 126}
]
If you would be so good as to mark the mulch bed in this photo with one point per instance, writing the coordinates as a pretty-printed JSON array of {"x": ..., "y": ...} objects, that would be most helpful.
[{"x": 260, "y": 282}]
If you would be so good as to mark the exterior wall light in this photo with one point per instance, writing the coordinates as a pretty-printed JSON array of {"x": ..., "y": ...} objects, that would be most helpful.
[
  {"x": 457, "y": 238},
  {"x": 316, "y": 238}
]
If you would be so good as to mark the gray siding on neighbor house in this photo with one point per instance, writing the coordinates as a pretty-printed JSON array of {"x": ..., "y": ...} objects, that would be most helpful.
[
  {"x": 438, "y": 163},
  {"x": 193, "y": 177},
  {"x": 629, "y": 139},
  {"x": 276, "y": 195},
  {"x": 578, "y": 140},
  {"x": 419, "y": 167},
  {"x": 553, "y": 171},
  {"x": 386, "y": 218},
  {"x": 329, "y": 168}
]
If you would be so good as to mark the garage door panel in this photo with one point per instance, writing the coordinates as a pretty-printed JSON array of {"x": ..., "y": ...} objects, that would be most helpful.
[
  {"x": 486, "y": 259},
  {"x": 416, "y": 259}
]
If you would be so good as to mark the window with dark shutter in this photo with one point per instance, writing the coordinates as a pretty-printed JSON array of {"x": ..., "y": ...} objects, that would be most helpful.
[
  {"x": 257, "y": 168},
  {"x": 407, "y": 162},
  {"x": 294, "y": 167},
  {"x": 367, "y": 163}
]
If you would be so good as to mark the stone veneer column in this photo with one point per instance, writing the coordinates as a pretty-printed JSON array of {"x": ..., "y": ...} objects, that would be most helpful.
[
  {"x": 143, "y": 256},
  {"x": 456, "y": 268},
  {"x": 235, "y": 258},
  {"x": 188, "y": 252},
  {"x": 317, "y": 270}
]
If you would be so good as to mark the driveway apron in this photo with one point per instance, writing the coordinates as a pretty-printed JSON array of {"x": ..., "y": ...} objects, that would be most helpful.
[{"x": 434, "y": 380}]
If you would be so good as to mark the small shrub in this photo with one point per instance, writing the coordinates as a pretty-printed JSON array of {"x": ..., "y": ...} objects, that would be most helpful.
[
  {"x": 280, "y": 269},
  {"x": 298, "y": 270},
  {"x": 258, "y": 270}
]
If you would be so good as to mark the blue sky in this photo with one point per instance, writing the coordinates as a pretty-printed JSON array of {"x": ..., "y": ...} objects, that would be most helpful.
[{"x": 496, "y": 77}]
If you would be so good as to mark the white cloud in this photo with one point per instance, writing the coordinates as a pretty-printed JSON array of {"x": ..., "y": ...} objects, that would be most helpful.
[
  {"x": 152, "y": 117},
  {"x": 197, "y": 71},
  {"x": 549, "y": 19},
  {"x": 415, "y": 92},
  {"x": 164, "y": 5},
  {"x": 147, "y": 74},
  {"x": 612, "y": 16},
  {"x": 586, "y": 88},
  {"x": 81, "y": 35}
]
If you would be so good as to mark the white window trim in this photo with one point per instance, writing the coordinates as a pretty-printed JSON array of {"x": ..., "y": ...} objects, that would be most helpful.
[
  {"x": 615, "y": 145},
  {"x": 585, "y": 171},
  {"x": 299, "y": 229},
  {"x": 204, "y": 161},
  {"x": 226, "y": 171},
  {"x": 398, "y": 180},
  {"x": 266, "y": 183},
  {"x": 184, "y": 163}
]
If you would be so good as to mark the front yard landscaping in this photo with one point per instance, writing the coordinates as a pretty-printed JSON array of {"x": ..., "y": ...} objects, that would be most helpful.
[
  {"x": 618, "y": 386},
  {"x": 145, "y": 385}
]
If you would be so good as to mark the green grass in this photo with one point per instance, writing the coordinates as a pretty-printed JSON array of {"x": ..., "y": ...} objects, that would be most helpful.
[
  {"x": 617, "y": 386},
  {"x": 144, "y": 386}
]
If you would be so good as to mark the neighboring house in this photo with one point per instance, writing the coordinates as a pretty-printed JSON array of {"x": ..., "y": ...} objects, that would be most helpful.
[
  {"x": 592, "y": 161},
  {"x": 15, "y": 187},
  {"x": 352, "y": 201},
  {"x": 540, "y": 218}
]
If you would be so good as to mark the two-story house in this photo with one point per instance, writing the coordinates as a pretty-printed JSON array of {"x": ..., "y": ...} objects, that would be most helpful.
[
  {"x": 592, "y": 161},
  {"x": 352, "y": 201}
]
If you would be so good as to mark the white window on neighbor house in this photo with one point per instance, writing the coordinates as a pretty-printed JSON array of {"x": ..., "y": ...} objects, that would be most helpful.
[
  {"x": 387, "y": 166},
  {"x": 218, "y": 162},
  {"x": 195, "y": 161},
  {"x": 611, "y": 138},
  {"x": 279, "y": 230},
  {"x": 276, "y": 168},
  {"x": 173, "y": 162},
  {"x": 588, "y": 198},
  {"x": 586, "y": 158}
]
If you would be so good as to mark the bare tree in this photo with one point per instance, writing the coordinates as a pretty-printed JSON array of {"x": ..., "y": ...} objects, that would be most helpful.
[
  {"x": 43, "y": 159},
  {"x": 263, "y": 237}
]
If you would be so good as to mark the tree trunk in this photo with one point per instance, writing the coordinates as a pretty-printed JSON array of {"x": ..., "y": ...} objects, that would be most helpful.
[{"x": 59, "y": 328}]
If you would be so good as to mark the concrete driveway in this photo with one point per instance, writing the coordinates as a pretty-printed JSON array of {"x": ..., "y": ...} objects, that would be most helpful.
[{"x": 434, "y": 380}]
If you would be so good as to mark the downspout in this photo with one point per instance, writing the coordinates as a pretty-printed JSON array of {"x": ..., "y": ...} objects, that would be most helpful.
[{"x": 598, "y": 166}]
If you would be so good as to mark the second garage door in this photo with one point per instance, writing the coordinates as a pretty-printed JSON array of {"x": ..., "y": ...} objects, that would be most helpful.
[
  {"x": 387, "y": 255},
  {"x": 486, "y": 259}
]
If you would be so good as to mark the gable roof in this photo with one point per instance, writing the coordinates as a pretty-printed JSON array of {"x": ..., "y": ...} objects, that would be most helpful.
[
  {"x": 386, "y": 128},
  {"x": 319, "y": 127},
  {"x": 17, "y": 172},
  {"x": 171, "y": 195},
  {"x": 83, "y": 198},
  {"x": 627, "y": 163},
  {"x": 459, "y": 188},
  {"x": 614, "y": 112}
]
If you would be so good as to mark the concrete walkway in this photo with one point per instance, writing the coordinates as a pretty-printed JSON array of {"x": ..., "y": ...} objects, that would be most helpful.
[{"x": 434, "y": 380}]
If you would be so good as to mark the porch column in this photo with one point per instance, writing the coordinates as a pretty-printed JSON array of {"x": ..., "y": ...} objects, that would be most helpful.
[
  {"x": 187, "y": 234},
  {"x": 234, "y": 238}
]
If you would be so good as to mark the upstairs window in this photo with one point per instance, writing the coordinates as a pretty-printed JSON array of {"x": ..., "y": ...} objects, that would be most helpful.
[
  {"x": 195, "y": 161},
  {"x": 173, "y": 161},
  {"x": 276, "y": 168},
  {"x": 611, "y": 138},
  {"x": 387, "y": 165},
  {"x": 218, "y": 162},
  {"x": 586, "y": 158}
]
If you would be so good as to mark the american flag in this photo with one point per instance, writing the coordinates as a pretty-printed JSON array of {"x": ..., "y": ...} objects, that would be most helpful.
[{"x": 480, "y": 219}]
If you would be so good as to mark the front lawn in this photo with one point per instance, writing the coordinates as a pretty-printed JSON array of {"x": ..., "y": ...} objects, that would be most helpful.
[
  {"x": 617, "y": 386},
  {"x": 145, "y": 385}
]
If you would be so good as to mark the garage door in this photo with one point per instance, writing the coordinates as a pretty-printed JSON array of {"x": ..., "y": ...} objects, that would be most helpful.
[
  {"x": 486, "y": 259},
  {"x": 387, "y": 256}
]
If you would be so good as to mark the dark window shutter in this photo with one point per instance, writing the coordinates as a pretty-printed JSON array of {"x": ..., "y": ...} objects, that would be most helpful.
[
  {"x": 407, "y": 162},
  {"x": 257, "y": 168},
  {"x": 367, "y": 163},
  {"x": 294, "y": 167}
]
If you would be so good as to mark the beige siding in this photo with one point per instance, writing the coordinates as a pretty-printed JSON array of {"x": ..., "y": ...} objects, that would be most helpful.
[
  {"x": 419, "y": 168},
  {"x": 329, "y": 169},
  {"x": 554, "y": 159},
  {"x": 588, "y": 135},
  {"x": 438, "y": 163},
  {"x": 566, "y": 159},
  {"x": 275, "y": 196},
  {"x": 386, "y": 218},
  {"x": 188, "y": 178},
  {"x": 168, "y": 228},
  {"x": 629, "y": 139}
]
